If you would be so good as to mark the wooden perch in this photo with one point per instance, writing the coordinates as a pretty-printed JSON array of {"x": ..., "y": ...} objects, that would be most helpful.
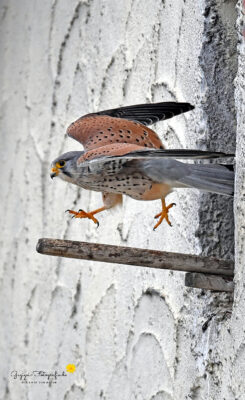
[{"x": 135, "y": 256}]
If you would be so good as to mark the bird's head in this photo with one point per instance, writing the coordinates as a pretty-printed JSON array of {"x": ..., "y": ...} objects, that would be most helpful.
[{"x": 65, "y": 166}]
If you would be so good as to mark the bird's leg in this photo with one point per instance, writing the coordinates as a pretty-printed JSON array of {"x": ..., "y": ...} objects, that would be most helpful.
[
  {"x": 110, "y": 200},
  {"x": 164, "y": 214},
  {"x": 89, "y": 215}
]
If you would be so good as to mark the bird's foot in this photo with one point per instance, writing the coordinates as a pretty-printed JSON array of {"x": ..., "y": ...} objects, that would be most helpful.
[
  {"x": 83, "y": 214},
  {"x": 164, "y": 215}
]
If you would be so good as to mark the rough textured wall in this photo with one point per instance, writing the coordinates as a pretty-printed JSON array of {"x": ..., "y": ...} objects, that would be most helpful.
[{"x": 132, "y": 333}]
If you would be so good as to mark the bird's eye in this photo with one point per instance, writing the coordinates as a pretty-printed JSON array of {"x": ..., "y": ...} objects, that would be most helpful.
[{"x": 60, "y": 164}]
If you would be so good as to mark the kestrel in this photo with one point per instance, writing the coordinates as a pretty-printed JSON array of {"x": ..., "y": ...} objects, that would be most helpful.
[{"x": 123, "y": 156}]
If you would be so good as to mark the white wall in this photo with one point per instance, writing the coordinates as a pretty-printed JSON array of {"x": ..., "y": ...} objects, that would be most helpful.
[{"x": 132, "y": 333}]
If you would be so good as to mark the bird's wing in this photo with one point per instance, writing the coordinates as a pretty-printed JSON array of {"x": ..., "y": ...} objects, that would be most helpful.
[
  {"x": 124, "y": 125},
  {"x": 110, "y": 150},
  {"x": 147, "y": 114},
  {"x": 132, "y": 151},
  {"x": 98, "y": 131},
  {"x": 176, "y": 153}
]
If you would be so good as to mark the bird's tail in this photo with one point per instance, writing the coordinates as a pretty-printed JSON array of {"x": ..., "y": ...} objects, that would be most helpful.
[
  {"x": 211, "y": 178},
  {"x": 216, "y": 178},
  {"x": 161, "y": 165}
]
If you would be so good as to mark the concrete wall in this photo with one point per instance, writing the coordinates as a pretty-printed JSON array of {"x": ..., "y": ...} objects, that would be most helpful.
[{"x": 132, "y": 333}]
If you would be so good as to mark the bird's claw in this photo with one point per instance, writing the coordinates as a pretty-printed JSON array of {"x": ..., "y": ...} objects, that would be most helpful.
[
  {"x": 168, "y": 207},
  {"x": 83, "y": 214},
  {"x": 163, "y": 215}
]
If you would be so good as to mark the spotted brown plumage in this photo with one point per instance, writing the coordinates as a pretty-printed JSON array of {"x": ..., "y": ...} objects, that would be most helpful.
[
  {"x": 123, "y": 125},
  {"x": 123, "y": 156},
  {"x": 95, "y": 132}
]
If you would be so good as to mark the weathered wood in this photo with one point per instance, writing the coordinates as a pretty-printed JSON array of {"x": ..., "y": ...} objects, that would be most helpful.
[
  {"x": 134, "y": 256},
  {"x": 210, "y": 282}
]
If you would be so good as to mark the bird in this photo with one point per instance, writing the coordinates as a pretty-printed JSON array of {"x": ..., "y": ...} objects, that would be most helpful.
[{"x": 123, "y": 156}]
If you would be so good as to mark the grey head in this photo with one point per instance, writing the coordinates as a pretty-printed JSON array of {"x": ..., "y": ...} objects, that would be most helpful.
[{"x": 65, "y": 166}]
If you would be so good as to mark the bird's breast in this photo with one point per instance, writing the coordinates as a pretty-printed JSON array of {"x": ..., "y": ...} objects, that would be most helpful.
[{"x": 137, "y": 186}]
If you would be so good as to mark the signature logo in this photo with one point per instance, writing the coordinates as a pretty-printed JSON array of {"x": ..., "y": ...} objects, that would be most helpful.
[{"x": 40, "y": 376}]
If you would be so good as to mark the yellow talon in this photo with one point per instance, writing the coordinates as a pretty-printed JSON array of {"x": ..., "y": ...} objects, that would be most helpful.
[
  {"x": 84, "y": 214},
  {"x": 164, "y": 214},
  {"x": 90, "y": 215}
]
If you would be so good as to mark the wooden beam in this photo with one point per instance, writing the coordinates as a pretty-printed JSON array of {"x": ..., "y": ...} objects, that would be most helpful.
[
  {"x": 210, "y": 282},
  {"x": 134, "y": 256}
]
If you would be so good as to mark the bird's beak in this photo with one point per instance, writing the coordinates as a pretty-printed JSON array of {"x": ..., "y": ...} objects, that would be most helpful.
[{"x": 54, "y": 172}]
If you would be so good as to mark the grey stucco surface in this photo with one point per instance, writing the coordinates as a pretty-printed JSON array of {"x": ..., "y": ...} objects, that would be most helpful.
[{"x": 132, "y": 333}]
